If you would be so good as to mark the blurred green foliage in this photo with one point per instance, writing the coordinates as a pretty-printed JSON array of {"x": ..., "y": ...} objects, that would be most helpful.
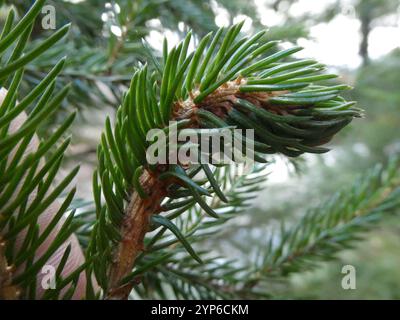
[{"x": 377, "y": 88}]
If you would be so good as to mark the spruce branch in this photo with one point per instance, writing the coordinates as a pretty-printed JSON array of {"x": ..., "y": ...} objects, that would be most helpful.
[
  {"x": 335, "y": 225},
  {"x": 149, "y": 220},
  {"x": 36, "y": 227},
  {"x": 323, "y": 232},
  {"x": 162, "y": 267},
  {"x": 100, "y": 62},
  {"x": 225, "y": 82}
]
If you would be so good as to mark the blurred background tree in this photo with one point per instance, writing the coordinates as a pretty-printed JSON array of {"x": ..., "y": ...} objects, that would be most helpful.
[{"x": 107, "y": 36}]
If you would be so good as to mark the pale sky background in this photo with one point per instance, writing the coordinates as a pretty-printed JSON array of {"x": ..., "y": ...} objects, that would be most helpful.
[{"x": 335, "y": 43}]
